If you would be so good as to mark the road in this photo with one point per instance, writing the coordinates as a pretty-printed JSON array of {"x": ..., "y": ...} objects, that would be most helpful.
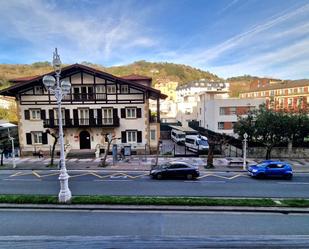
[
  {"x": 151, "y": 229},
  {"x": 214, "y": 184}
]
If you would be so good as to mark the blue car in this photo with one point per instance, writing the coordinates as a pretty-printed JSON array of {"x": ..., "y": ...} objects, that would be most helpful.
[{"x": 270, "y": 168}]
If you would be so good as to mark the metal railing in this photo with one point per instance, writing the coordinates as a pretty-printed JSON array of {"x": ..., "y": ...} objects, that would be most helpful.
[{"x": 90, "y": 122}]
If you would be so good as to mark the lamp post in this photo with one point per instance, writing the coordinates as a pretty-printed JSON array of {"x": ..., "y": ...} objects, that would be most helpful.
[
  {"x": 60, "y": 89},
  {"x": 245, "y": 151}
]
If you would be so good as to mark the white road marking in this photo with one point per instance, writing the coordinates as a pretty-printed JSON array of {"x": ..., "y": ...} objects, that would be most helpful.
[
  {"x": 108, "y": 180},
  {"x": 19, "y": 179}
]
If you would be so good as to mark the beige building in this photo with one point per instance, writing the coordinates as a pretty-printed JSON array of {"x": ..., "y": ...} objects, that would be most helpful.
[{"x": 99, "y": 103}]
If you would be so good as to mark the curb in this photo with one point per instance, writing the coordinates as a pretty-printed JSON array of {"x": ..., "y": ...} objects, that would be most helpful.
[{"x": 282, "y": 210}]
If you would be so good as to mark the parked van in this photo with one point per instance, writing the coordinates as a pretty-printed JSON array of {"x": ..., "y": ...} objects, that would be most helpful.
[
  {"x": 178, "y": 136},
  {"x": 196, "y": 143}
]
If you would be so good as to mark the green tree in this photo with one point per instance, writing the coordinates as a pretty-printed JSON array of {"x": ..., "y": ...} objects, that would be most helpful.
[{"x": 271, "y": 128}]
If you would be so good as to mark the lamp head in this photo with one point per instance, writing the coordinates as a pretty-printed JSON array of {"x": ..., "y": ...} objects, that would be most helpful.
[
  {"x": 65, "y": 86},
  {"x": 56, "y": 62},
  {"x": 245, "y": 135},
  {"x": 49, "y": 81}
]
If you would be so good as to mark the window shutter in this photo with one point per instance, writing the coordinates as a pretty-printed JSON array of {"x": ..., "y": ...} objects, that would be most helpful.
[
  {"x": 75, "y": 117},
  {"x": 123, "y": 137},
  {"x": 28, "y": 138},
  {"x": 115, "y": 116},
  {"x": 44, "y": 138},
  {"x": 43, "y": 114},
  {"x": 67, "y": 117},
  {"x": 51, "y": 117},
  {"x": 139, "y": 136},
  {"x": 27, "y": 114},
  {"x": 123, "y": 113},
  {"x": 91, "y": 117},
  {"x": 138, "y": 112},
  {"x": 99, "y": 116}
]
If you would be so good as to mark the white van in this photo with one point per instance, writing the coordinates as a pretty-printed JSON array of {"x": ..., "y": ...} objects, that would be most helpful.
[
  {"x": 178, "y": 137},
  {"x": 196, "y": 143}
]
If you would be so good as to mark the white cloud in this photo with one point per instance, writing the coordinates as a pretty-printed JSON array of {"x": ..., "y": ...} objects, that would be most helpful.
[
  {"x": 288, "y": 62},
  {"x": 108, "y": 32},
  {"x": 246, "y": 38}
]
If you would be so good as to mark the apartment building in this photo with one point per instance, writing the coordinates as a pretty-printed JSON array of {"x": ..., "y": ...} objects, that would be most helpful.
[
  {"x": 290, "y": 95},
  {"x": 220, "y": 114},
  {"x": 188, "y": 97},
  {"x": 99, "y": 103}
]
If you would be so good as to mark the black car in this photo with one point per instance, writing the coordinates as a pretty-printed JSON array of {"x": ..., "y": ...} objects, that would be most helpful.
[{"x": 175, "y": 170}]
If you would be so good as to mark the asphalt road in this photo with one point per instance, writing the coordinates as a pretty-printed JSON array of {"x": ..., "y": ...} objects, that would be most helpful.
[
  {"x": 213, "y": 184},
  {"x": 150, "y": 229}
]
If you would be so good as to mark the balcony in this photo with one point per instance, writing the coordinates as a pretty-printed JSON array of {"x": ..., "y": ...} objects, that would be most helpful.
[
  {"x": 85, "y": 96},
  {"x": 83, "y": 122}
]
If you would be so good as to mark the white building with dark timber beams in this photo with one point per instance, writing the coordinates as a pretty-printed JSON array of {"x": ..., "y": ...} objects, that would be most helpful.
[{"x": 99, "y": 103}]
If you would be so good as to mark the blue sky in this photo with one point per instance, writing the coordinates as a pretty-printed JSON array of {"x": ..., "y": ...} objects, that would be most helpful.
[{"x": 227, "y": 37}]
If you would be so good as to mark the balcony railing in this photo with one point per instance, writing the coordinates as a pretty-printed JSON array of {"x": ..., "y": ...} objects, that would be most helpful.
[
  {"x": 82, "y": 122},
  {"x": 85, "y": 96}
]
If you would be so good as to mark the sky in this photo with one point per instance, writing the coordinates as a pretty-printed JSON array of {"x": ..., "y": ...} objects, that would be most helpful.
[{"x": 267, "y": 38}]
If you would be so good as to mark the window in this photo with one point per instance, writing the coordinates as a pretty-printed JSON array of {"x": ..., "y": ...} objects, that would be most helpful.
[
  {"x": 57, "y": 118},
  {"x": 153, "y": 134},
  {"x": 76, "y": 93},
  {"x": 124, "y": 89},
  {"x": 111, "y": 89},
  {"x": 232, "y": 110},
  {"x": 38, "y": 90},
  {"x": 37, "y": 137},
  {"x": 131, "y": 137},
  {"x": 107, "y": 115},
  {"x": 100, "y": 92},
  {"x": 83, "y": 116},
  {"x": 35, "y": 114},
  {"x": 222, "y": 110},
  {"x": 220, "y": 125},
  {"x": 290, "y": 90},
  {"x": 290, "y": 102},
  {"x": 130, "y": 112}
]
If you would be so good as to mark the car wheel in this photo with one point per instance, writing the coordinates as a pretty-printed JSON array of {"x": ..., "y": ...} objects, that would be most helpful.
[
  {"x": 159, "y": 176},
  {"x": 288, "y": 176},
  {"x": 189, "y": 176}
]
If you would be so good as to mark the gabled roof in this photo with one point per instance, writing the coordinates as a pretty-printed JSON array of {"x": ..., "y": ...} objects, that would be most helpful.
[
  {"x": 23, "y": 79},
  {"x": 69, "y": 70},
  {"x": 135, "y": 77}
]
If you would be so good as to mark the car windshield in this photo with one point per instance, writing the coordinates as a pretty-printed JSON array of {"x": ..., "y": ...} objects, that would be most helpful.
[
  {"x": 164, "y": 166},
  {"x": 262, "y": 164},
  {"x": 202, "y": 142},
  {"x": 181, "y": 135}
]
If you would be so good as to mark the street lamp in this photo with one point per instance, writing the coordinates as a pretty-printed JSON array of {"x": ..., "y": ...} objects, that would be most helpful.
[
  {"x": 60, "y": 89},
  {"x": 245, "y": 151}
]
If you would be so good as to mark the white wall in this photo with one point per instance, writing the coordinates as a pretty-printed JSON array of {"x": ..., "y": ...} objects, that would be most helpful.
[{"x": 210, "y": 114}]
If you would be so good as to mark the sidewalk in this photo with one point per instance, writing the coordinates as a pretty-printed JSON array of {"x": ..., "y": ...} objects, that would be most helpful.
[{"x": 141, "y": 163}]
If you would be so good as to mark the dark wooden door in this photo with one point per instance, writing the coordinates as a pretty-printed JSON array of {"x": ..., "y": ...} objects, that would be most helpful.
[{"x": 84, "y": 140}]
